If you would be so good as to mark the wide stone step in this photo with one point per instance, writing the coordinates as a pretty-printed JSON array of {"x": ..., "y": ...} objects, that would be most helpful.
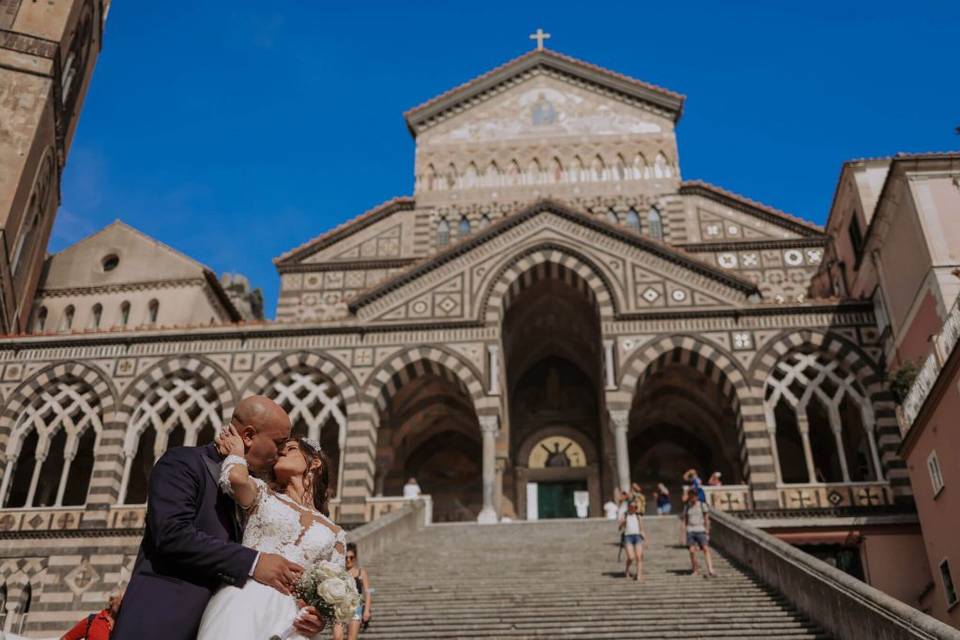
[{"x": 564, "y": 580}]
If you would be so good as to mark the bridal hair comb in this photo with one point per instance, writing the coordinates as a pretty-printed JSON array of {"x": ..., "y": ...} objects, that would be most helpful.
[{"x": 312, "y": 444}]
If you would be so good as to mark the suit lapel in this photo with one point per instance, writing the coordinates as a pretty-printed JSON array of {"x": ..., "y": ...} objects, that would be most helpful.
[{"x": 213, "y": 467}]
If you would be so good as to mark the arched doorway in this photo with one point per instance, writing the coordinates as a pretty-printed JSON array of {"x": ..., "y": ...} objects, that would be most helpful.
[
  {"x": 552, "y": 354},
  {"x": 682, "y": 418},
  {"x": 429, "y": 431}
]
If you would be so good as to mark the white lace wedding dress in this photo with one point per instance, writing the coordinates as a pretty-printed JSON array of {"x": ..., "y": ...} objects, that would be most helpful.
[{"x": 276, "y": 524}]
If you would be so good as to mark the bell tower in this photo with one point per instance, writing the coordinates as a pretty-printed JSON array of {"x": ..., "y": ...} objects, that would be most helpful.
[{"x": 48, "y": 49}]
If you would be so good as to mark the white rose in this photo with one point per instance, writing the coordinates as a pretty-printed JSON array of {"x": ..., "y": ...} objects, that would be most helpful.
[{"x": 333, "y": 590}]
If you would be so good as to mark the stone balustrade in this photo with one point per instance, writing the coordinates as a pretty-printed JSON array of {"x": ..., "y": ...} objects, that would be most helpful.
[
  {"x": 734, "y": 497},
  {"x": 846, "y": 607},
  {"x": 943, "y": 344},
  {"x": 834, "y": 495}
]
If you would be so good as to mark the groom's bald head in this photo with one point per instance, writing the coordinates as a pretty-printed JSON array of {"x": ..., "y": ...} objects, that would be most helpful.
[{"x": 264, "y": 427}]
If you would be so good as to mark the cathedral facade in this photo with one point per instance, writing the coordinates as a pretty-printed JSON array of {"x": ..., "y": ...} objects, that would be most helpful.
[{"x": 553, "y": 314}]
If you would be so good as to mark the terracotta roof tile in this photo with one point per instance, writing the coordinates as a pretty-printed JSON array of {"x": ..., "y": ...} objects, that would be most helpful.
[
  {"x": 341, "y": 229},
  {"x": 545, "y": 53},
  {"x": 706, "y": 186}
]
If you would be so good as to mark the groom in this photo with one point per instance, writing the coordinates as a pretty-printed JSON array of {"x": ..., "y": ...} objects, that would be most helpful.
[{"x": 192, "y": 541}]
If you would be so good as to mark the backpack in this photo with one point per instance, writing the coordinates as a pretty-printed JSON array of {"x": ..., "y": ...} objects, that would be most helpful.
[{"x": 90, "y": 619}]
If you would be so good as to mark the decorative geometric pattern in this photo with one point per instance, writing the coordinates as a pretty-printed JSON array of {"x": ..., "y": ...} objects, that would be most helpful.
[
  {"x": 183, "y": 400},
  {"x": 307, "y": 395},
  {"x": 650, "y": 295}
]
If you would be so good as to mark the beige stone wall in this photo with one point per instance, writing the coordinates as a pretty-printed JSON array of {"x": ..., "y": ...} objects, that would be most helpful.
[
  {"x": 546, "y": 137},
  {"x": 46, "y": 61}
]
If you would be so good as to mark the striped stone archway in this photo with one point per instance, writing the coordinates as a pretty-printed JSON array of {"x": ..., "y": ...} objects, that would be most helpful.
[
  {"x": 197, "y": 368},
  {"x": 299, "y": 382},
  {"x": 359, "y": 468},
  {"x": 855, "y": 361},
  {"x": 42, "y": 382},
  {"x": 547, "y": 262},
  {"x": 721, "y": 368}
]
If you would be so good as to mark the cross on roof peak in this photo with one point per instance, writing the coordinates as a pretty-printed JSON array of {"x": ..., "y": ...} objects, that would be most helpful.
[{"x": 539, "y": 36}]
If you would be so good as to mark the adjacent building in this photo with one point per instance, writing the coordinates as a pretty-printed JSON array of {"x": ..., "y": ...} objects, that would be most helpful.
[{"x": 895, "y": 226}]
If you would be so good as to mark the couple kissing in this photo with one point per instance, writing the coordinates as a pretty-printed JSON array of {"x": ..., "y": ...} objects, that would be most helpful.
[{"x": 224, "y": 548}]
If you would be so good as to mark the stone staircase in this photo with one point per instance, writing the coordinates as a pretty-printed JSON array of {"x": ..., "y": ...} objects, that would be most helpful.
[{"x": 561, "y": 579}]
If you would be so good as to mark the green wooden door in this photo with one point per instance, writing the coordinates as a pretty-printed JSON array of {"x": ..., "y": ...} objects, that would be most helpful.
[{"x": 555, "y": 499}]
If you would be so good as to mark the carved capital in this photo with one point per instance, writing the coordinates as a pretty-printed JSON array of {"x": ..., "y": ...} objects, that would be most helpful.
[
  {"x": 619, "y": 420},
  {"x": 489, "y": 424}
]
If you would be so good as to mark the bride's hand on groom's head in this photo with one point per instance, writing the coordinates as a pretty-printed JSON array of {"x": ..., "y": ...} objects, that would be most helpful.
[{"x": 229, "y": 442}]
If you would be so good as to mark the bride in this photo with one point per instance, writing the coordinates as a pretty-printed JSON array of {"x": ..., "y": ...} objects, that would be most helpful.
[{"x": 288, "y": 517}]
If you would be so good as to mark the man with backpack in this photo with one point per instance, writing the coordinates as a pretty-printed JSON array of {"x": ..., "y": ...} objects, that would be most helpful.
[{"x": 96, "y": 626}]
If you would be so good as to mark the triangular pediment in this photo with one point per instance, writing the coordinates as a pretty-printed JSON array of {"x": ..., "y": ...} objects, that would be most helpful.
[
  {"x": 374, "y": 234},
  {"x": 723, "y": 216},
  {"x": 118, "y": 254},
  {"x": 544, "y": 61},
  {"x": 639, "y": 274}
]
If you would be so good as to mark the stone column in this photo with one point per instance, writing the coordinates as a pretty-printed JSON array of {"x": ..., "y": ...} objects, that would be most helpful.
[
  {"x": 501, "y": 464},
  {"x": 493, "y": 353},
  {"x": 803, "y": 426},
  {"x": 489, "y": 426},
  {"x": 837, "y": 429},
  {"x": 608, "y": 365},
  {"x": 619, "y": 423}
]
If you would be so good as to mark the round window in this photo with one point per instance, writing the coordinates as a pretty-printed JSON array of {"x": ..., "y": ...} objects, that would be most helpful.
[{"x": 110, "y": 262}]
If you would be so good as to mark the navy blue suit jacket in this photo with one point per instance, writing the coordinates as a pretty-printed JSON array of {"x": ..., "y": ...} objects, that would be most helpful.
[{"x": 190, "y": 547}]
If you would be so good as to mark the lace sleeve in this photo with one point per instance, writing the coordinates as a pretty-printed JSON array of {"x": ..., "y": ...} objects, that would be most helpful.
[{"x": 253, "y": 489}]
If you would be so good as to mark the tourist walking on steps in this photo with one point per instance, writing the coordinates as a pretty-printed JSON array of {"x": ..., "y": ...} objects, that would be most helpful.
[
  {"x": 662, "y": 495},
  {"x": 634, "y": 535},
  {"x": 696, "y": 519},
  {"x": 361, "y": 616},
  {"x": 692, "y": 478}
]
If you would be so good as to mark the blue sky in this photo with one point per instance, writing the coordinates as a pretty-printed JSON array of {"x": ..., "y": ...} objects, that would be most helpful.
[{"x": 235, "y": 131}]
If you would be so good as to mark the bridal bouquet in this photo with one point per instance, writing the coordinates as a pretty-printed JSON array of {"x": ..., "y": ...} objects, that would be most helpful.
[{"x": 330, "y": 590}]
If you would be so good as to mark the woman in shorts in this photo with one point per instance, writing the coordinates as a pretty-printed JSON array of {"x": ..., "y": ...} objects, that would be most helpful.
[
  {"x": 361, "y": 616},
  {"x": 634, "y": 535}
]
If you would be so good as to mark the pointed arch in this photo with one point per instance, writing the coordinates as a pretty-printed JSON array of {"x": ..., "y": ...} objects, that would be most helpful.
[
  {"x": 491, "y": 177},
  {"x": 661, "y": 167},
  {"x": 639, "y": 169},
  {"x": 51, "y": 427},
  {"x": 471, "y": 176},
  {"x": 443, "y": 233},
  {"x": 557, "y": 173},
  {"x": 578, "y": 172},
  {"x": 406, "y": 364},
  {"x": 539, "y": 263},
  {"x": 175, "y": 402},
  {"x": 318, "y": 394},
  {"x": 620, "y": 168},
  {"x": 532, "y": 174},
  {"x": 514, "y": 174},
  {"x": 598, "y": 170},
  {"x": 632, "y": 220},
  {"x": 655, "y": 224},
  {"x": 432, "y": 178},
  {"x": 851, "y": 358},
  {"x": 453, "y": 177}
]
